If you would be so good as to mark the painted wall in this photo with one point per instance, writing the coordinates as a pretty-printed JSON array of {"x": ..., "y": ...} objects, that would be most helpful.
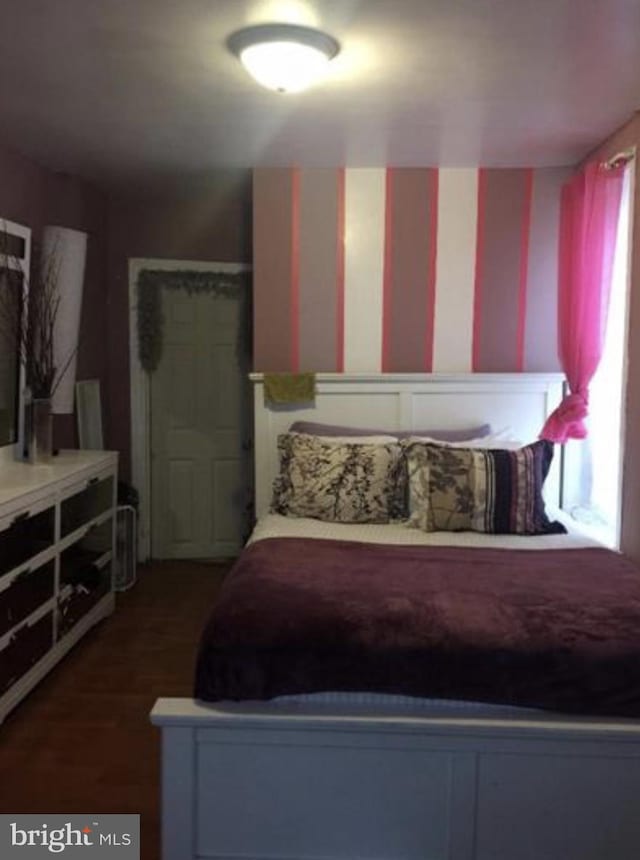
[
  {"x": 403, "y": 269},
  {"x": 34, "y": 196},
  {"x": 626, "y": 137},
  {"x": 209, "y": 221},
  {"x": 205, "y": 220}
]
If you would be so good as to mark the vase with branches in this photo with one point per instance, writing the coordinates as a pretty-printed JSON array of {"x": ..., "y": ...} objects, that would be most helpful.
[{"x": 29, "y": 304}]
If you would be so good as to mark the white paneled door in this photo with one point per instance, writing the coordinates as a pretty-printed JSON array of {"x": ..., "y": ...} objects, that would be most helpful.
[{"x": 198, "y": 427}]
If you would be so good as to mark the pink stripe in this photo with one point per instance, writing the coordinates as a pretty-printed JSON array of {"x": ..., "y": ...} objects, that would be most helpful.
[
  {"x": 340, "y": 276},
  {"x": 431, "y": 275},
  {"x": 524, "y": 267},
  {"x": 295, "y": 270},
  {"x": 477, "y": 296},
  {"x": 386, "y": 284}
]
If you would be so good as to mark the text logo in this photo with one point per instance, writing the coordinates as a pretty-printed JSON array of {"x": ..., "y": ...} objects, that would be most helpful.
[{"x": 99, "y": 836}]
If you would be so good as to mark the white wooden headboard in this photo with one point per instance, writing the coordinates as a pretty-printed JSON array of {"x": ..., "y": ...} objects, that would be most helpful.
[{"x": 411, "y": 401}]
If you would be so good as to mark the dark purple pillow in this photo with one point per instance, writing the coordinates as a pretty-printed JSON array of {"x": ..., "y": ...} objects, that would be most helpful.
[{"x": 314, "y": 428}]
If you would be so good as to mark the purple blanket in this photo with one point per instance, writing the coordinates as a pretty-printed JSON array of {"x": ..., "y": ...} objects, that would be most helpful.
[{"x": 554, "y": 629}]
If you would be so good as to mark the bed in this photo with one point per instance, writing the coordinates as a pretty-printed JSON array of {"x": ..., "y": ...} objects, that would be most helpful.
[{"x": 330, "y": 768}]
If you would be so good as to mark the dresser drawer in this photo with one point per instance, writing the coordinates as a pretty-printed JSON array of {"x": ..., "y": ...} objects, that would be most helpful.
[
  {"x": 78, "y": 561},
  {"x": 27, "y": 645},
  {"x": 24, "y": 593},
  {"x": 88, "y": 502},
  {"x": 76, "y": 601},
  {"x": 25, "y": 535}
]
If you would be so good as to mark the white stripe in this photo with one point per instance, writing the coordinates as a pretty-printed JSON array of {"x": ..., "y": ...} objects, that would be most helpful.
[
  {"x": 455, "y": 269},
  {"x": 363, "y": 269}
]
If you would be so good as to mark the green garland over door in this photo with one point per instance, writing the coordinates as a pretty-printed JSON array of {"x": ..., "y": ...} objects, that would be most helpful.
[{"x": 150, "y": 316}]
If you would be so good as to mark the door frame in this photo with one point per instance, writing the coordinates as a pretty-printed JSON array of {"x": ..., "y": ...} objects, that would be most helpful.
[{"x": 140, "y": 388}]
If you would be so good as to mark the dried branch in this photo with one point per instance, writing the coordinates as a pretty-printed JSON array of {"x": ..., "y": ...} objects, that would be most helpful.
[{"x": 28, "y": 311}]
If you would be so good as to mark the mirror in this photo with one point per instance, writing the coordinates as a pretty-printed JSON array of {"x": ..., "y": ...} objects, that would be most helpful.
[
  {"x": 15, "y": 255},
  {"x": 89, "y": 412}
]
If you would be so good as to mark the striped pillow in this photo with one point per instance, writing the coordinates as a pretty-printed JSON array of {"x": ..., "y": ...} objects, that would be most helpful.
[{"x": 493, "y": 490}]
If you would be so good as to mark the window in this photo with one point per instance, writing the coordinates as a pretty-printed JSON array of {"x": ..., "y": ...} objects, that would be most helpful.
[{"x": 597, "y": 461}]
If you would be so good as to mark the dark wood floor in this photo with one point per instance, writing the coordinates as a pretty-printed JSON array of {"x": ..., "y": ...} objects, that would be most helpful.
[{"x": 82, "y": 740}]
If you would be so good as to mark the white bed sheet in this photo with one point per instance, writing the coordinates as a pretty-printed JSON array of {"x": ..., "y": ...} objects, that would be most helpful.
[{"x": 276, "y": 525}]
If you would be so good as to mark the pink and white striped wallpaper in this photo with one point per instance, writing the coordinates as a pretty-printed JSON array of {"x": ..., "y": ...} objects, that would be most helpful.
[{"x": 405, "y": 269}]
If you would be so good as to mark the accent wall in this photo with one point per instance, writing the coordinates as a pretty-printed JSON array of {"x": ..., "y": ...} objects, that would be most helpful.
[{"x": 405, "y": 269}]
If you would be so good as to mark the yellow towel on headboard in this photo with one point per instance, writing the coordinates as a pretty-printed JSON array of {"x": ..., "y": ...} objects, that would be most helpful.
[{"x": 291, "y": 388}]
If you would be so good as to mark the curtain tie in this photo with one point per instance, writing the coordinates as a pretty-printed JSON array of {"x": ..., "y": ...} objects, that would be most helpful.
[{"x": 567, "y": 421}]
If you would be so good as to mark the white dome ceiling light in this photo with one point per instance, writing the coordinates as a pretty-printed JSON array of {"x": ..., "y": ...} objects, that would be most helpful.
[{"x": 284, "y": 57}]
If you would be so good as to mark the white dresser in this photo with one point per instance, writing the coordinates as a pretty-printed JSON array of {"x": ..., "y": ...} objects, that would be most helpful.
[{"x": 57, "y": 542}]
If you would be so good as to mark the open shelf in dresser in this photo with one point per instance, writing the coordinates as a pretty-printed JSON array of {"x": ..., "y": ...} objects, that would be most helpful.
[{"x": 57, "y": 539}]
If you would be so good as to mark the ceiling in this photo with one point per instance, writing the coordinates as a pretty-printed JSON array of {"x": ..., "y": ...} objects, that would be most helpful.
[{"x": 123, "y": 91}]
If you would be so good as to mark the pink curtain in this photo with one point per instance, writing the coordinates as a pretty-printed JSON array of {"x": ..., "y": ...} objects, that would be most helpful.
[{"x": 588, "y": 224}]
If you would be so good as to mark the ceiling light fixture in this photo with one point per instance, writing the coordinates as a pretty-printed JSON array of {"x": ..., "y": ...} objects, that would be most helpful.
[{"x": 284, "y": 57}]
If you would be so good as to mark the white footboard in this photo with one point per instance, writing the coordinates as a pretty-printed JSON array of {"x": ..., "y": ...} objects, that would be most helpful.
[{"x": 305, "y": 784}]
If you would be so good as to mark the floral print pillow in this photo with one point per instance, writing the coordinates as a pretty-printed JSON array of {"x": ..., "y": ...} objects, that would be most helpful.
[
  {"x": 338, "y": 482},
  {"x": 497, "y": 491},
  {"x": 440, "y": 494}
]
